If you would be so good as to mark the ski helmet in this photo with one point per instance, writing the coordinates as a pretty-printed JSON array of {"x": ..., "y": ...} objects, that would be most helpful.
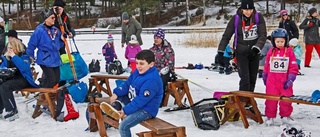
[{"x": 280, "y": 33}]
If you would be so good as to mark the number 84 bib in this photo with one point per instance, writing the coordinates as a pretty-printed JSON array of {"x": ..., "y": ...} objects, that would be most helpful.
[{"x": 279, "y": 64}]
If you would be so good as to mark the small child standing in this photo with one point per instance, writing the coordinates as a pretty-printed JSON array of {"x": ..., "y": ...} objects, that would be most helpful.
[
  {"x": 263, "y": 54},
  {"x": 108, "y": 51},
  {"x": 225, "y": 63},
  {"x": 132, "y": 49},
  {"x": 297, "y": 51},
  {"x": 280, "y": 71}
]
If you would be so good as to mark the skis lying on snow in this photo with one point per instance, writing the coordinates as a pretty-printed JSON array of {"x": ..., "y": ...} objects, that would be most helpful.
[{"x": 182, "y": 107}]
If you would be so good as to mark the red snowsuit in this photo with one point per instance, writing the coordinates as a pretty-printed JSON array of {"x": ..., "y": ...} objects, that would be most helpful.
[{"x": 279, "y": 63}]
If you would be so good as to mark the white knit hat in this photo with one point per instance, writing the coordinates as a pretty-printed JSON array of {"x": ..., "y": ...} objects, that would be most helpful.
[
  {"x": 293, "y": 42},
  {"x": 1, "y": 19}
]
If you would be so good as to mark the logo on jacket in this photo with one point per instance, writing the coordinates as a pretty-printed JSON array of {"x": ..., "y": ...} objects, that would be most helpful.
[{"x": 146, "y": 93}]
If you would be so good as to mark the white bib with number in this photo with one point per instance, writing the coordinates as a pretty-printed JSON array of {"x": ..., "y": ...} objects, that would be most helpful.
[
  {"x": 250, "y": 34},
  {"x": 279, "y": 64}
]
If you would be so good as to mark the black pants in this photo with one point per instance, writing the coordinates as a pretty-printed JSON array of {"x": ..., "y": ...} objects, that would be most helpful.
[
  {"x": 247, "y": 70},
  {"x": 6, "y": 92},
  {"x": 50, "y": 77},
  {"x": 165, "y": 80}
]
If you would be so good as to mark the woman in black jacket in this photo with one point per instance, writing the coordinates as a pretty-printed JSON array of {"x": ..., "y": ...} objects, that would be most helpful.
[{"x": 288, "y": 24}]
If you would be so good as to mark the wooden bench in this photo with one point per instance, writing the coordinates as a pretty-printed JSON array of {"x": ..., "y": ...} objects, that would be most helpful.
[
  {"x": 34, "y": 76},
  {"x": 161, "y": 128},
  {"x": 239, "y": 99},
  {"x": 178, "y": 89},
  {"x": 96, "y": 82},
  {"x": 46, "y": 98}
]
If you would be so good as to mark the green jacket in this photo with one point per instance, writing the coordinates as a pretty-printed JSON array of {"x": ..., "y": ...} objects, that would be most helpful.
[{"x": 133, "y": 27}]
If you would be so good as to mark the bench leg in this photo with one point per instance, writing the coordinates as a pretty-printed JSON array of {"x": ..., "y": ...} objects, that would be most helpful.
[
  {"x": 99, "y": 120},
  {"x": 241, "y": 111},
  {"x": 181, "y": 132},
  {"x": 93, "y": 127}
]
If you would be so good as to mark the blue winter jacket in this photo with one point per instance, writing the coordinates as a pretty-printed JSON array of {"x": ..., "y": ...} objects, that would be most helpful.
[
  {"x": 144, "y": 90},
  {"x": 48, "y": 46},
  {"x": 23, "y": 65}
]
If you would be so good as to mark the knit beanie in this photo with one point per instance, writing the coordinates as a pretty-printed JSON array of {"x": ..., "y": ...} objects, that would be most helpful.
[
  {"x": 12, "y": 33},
  {"x": 312, "y": 10},
  {"x": 110, "y": 38},
  {"x": 59, "y": 3},
  {"x": 293, "y": 42},
  {"x": 133, "y": 40},
  {"x": 159, "y": 33},
  {"x": 125, "y": 16},
  {"x": 283, "y": 12},
  {"x": 1, "y": 19},
  {"x": 46, "y": 13},
  {"x": 247, "y": 4}
]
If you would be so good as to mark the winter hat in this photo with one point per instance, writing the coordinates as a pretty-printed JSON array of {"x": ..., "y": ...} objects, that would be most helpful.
[
  {"x": 46, "y": 13},
  {"x": 1, "y": 19},
  {"x": 133, "y": 40},
  {"x": 159, "y": 33},
  {"x": 312, "y": 10},
  {"x": 283, "y": 12},
  {"x": 247, "y": 4},
  {"x": 269, "y": 37},
  {"x": 125, "y": 16},
  {"x": 293, "y": 42},
  {"x": 59, "y": 3},
  {"x": 110, "y": 38},
  {"x": 12, "y": 33}
]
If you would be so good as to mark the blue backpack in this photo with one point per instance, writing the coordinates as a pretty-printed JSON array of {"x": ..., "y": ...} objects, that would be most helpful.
[{"x": 236, "y": 23}]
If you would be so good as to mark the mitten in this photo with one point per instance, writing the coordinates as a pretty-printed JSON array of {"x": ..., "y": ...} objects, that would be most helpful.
[
  {"x": 264, "y": 77},
  {"x": 311, "y": 24},
  {"x": 288, "y": 83},
  {"x": 254, "y": 52},
  {"x": 220, "y": 58},
  {"x": 230, "y": 54}
]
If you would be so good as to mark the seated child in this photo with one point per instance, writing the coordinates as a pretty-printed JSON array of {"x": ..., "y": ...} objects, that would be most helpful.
[
  {"x": 141, "y": 95},
  {"x": 227, "y": 56},
  {"x": 108, "y": 51},
  {"x": 132, "y": 50},
  {"x": 294, "y": 43}
]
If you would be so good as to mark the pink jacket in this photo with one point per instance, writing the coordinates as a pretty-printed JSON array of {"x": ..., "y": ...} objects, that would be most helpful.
[
  {"x": 278, "y": 71},
  {"x": 131, "y": 52}
]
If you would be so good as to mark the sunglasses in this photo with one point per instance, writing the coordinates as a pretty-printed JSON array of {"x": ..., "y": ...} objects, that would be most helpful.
[
  {"x": 53, "y": 17},
  {"x": 285, "y": 15}
]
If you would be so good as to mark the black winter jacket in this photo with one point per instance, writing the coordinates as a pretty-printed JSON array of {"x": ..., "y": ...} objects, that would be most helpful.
[
  {"x": 244, "y": 46},
  {"x": 311, "y": 34},
  {"x": 291, "y": 27}
]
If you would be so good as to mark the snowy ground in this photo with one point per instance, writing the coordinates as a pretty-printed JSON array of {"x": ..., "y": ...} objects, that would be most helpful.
[{"x": 90, "y": 47}]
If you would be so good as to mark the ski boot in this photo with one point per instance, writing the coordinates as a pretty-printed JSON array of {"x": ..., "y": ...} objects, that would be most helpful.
[
  {"x": 12, "y": 115},
  {"x": 111, "y": 110}
]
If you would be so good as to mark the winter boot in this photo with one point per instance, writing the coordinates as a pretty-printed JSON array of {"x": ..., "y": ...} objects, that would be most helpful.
[
  {"x": 288, "y": 120},
  {"x": 109, "y": 110},
  {"x": 221, "y": 70},
  {"x": 12, "y": 115},
  {"x": 1, "y": 114},
  {"x": 270, "y": 121},
  {"x": 117, "y": 105},
  {"x": 228, "y": 70},
  {"x": 260, "y": 73}
]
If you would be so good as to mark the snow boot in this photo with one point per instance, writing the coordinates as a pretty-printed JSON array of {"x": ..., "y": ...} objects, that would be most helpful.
[
  {"x": 12, "y": 115},
  {"x": 270, "y": 121},
  {"x": 221, "y": 70},
  {"x": 260, "y": 73},
  {"x": 288, "y": 121},
  {"x": 109, "y": 110}
]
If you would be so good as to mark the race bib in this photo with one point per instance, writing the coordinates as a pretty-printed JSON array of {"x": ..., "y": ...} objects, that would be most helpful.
[
  {"x": 279, "y": 64},
  {"x": 250, "y": 34}
]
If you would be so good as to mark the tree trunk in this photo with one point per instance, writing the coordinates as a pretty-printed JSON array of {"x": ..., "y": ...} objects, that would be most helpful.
[
  {"x": 4, "y": 11},
  {"x": 9, "y": 10},
  {"x": 34, "y": 5},
  {"x": 267, "y": 7},
  {"x": 21, "y": 4},
  {"x": 76, "y": 10}
]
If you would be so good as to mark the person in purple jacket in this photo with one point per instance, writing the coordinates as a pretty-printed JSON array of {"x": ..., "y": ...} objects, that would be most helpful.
[
  {"x": 141, "y": 95},
  {"x": 108, "y": 51},
  {"x": 132, "y": 50}
]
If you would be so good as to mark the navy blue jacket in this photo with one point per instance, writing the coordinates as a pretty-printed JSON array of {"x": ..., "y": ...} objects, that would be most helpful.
[
  {"x": 144, "y": 90},
  {"x": 48, "y": 46}
]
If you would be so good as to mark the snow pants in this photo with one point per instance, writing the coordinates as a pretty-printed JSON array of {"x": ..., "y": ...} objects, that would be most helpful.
[{"x": 308, "y": 55}]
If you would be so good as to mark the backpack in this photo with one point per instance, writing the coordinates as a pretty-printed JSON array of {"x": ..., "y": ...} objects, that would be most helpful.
[
  {"x": 208, "y": 113},
  {"x": 115, "y": 68},
  {"x": 236, "y": 23},
  {"x": 94, "y": 66}
]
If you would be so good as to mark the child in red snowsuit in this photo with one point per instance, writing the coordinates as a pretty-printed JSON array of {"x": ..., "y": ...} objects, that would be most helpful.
[{"x": 279, "y": 73}]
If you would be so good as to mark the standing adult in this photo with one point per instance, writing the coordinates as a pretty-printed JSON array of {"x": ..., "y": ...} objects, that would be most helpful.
[
  {"x": 58, "y": 8},
  {"x": 311, "y": 25},
  {"x": 250, "y": 32},
  {"x": 164, "y": 55},
  {"x": 130, "y": 26},
  {"x": 288, "y": 24},
  {"x": 47, "y": 39},
  {"x": 2, "y": 35}
]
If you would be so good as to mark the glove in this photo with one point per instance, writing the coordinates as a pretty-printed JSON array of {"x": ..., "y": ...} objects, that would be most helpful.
[
  {"x": 311, "y": 24},
  {"x": 63, "y": 36},
  {"x": 122, "y": 45},
  {"x": 220, "y": 58},
  {"x": 254, "y": 52},
  {"x": 231, "y": 55},
  {"x": 288, "y": 83},
  {"x": 264, "y": 78},
  {"x": 164, "y": 71}
]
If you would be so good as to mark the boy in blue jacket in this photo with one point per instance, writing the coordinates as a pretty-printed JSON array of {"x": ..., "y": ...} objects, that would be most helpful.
[{"x": 141, "y": 95}]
